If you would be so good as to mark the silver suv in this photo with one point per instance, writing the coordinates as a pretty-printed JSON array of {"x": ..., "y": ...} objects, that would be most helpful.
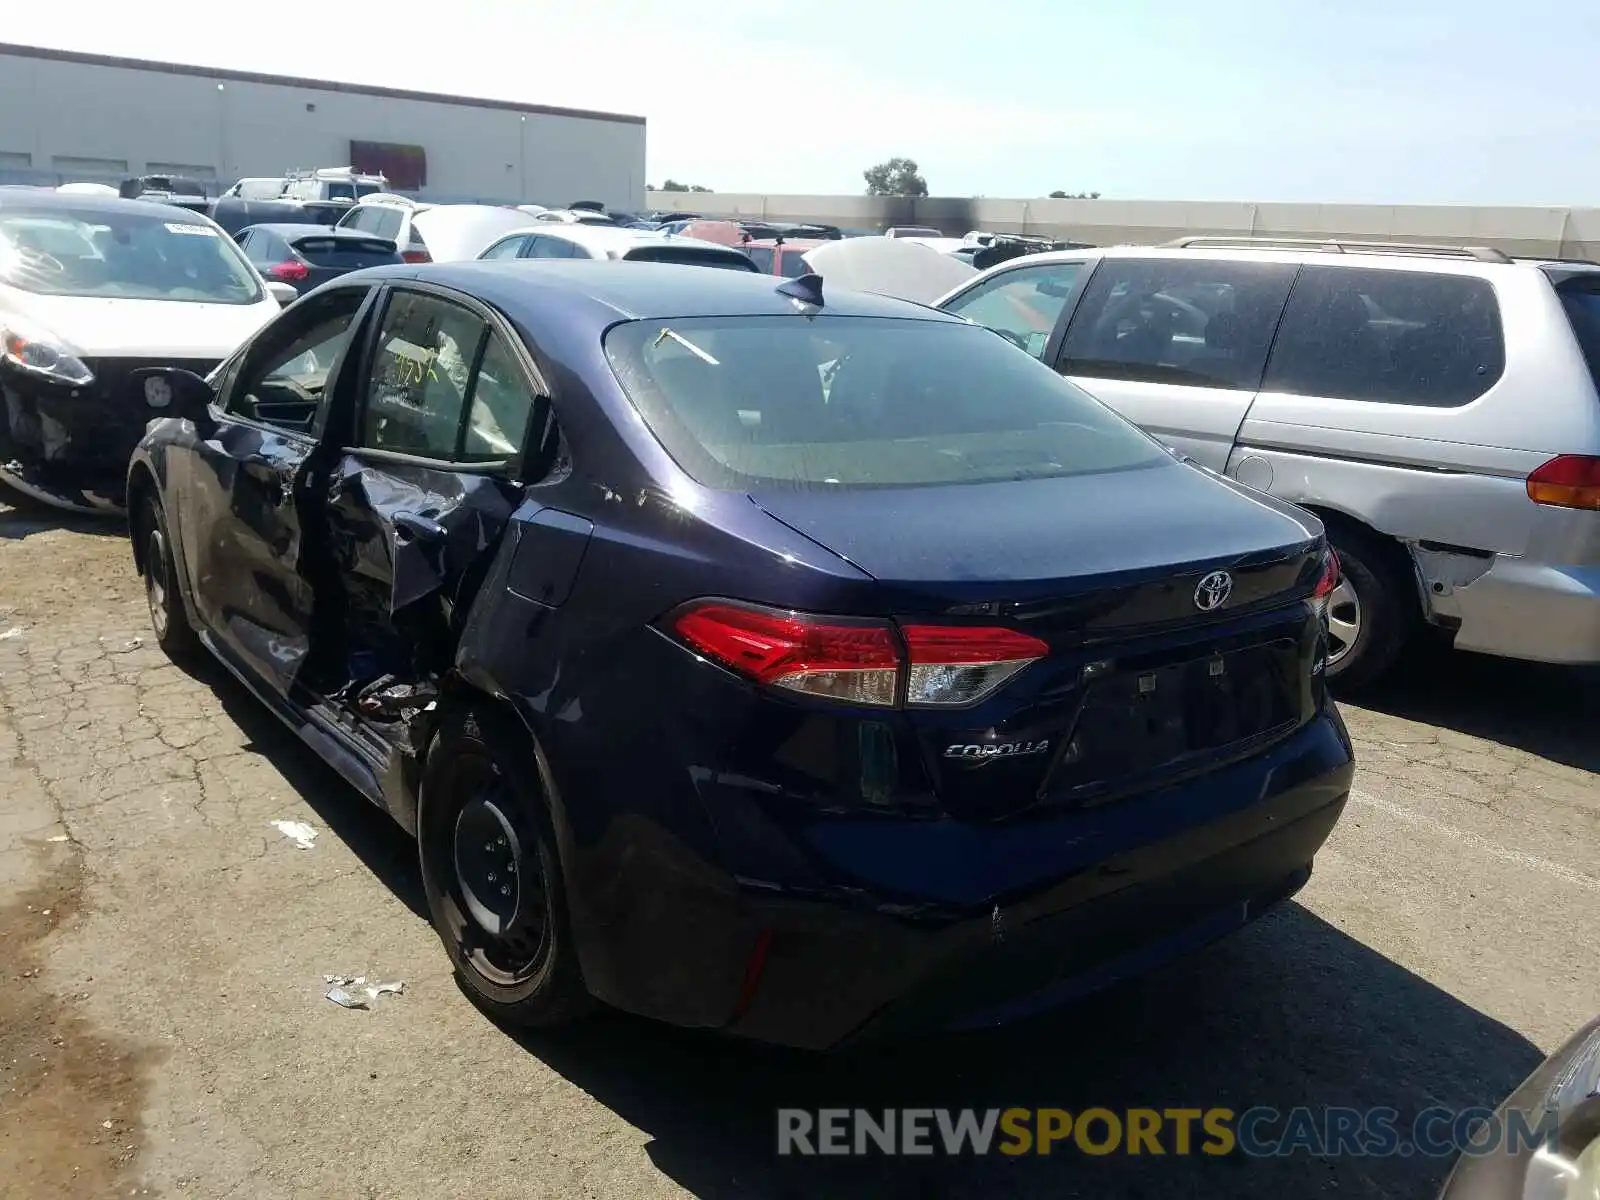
[{"x": 1436, "y": 406}]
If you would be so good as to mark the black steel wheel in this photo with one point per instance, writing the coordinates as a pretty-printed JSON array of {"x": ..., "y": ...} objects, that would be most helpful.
[
  {"x": 169, "y": 615},
  {"x": 491, "y": 874}
]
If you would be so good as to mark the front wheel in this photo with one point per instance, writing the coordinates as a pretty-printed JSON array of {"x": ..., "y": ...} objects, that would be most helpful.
[{"x": 491, "y": 874}]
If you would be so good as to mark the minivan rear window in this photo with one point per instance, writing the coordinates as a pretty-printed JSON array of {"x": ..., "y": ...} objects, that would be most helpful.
[
  {"x": 1581, "y": 299},
  {"x": 1388, "y": 337},
  {"x": 833, "y": 402}
]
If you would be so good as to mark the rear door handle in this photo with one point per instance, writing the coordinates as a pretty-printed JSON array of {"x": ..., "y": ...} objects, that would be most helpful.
[{"x": 410, "y": 527}]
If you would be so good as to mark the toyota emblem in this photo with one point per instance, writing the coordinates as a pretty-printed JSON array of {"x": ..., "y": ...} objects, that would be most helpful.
[{"x": 1213, "y": 591}]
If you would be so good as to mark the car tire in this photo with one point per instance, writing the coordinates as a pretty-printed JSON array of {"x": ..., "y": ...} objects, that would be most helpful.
[
  {"x": 1377, "y": 592},
  {"x": 169, "y": 614},
  {"x": 491, "y": 873}
]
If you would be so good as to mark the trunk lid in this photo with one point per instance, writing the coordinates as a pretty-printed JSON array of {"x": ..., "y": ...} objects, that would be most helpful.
[{"x": 1141, "y": 683}]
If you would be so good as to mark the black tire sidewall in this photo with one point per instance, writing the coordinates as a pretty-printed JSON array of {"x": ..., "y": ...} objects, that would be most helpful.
[
  {"x": 1387, "y": 613},
  {"x": 554, "y": 992},
  {"x": 179, "y": 639}
]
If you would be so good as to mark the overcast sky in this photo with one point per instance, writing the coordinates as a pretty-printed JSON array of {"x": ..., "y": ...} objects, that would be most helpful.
[{"x": 1382, "y": 101}]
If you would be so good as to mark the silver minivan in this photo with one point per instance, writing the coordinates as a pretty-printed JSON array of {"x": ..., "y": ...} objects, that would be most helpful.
[{"x": 1436, "y": 406}]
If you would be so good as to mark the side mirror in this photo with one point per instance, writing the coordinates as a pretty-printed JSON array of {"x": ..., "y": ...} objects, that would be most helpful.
[
  {"x": 283, "y": 293},
  {"x": 174, "y": 392}
]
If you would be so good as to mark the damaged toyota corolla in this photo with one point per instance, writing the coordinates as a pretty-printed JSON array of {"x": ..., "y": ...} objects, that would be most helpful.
[
  {"x": 90, "y": 289},
  {"x": 801, "y": 664}
]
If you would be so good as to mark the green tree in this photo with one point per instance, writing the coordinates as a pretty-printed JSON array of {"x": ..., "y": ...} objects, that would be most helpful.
[
  {"x": 672, "y": 185},
  {"x": 896, "y": 177},
  {"x": 1074, "y": 195}
]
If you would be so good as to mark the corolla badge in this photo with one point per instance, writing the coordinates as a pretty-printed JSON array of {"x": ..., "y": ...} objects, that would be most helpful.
[
  {"x": 988, "y": 750},
  {"x": 1213, "y": 591}
]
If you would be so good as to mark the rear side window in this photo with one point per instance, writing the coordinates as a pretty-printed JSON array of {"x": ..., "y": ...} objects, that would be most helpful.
[
  {"x": 1581, "y": 299},
  {"x": 833, "y": 403},
  {"x": 1203, "y": 322},
  {"x": 417, "y": 395},
  {"x": 691, "y": 256},
  {"x": 1389, "y": 337},
  {"x": 1023, "y": 304}
]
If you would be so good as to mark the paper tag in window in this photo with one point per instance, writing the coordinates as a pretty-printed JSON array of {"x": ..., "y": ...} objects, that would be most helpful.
[{"x": 191, "y": 230}]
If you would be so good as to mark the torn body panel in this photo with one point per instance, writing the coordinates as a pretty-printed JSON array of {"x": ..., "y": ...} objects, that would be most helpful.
[
  {"x": 408, "y": 544},
  {"x": 68, "y": 445}
]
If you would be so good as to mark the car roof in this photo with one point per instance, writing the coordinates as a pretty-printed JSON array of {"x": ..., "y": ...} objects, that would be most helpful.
[
  {"x": 635, "y": 291},
  {"x": 613, "y": 237},
  {"x": 45, "y": 198}
]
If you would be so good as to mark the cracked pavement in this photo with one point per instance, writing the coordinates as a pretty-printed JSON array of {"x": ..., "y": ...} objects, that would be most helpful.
[{"x": 163, "y": 1029}]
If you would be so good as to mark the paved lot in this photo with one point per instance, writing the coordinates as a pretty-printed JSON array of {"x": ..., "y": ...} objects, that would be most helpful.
[{"x": 163, "y": 1031}]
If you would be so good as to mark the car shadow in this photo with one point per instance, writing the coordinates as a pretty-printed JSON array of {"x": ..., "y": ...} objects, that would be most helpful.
[
  {"x": 26, "y": 519},
  {"x": 385, "y": 849},
  {"x": 1289, "y": 1012},
  {"x": 1550, "y": 711}
]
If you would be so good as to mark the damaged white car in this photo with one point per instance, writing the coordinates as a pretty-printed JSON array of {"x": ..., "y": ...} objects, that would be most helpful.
[{"x": 92, "y": 288}]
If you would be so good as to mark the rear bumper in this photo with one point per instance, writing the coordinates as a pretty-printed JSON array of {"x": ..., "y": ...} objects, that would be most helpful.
[
  {"x": 1068, "y": 902},
  {"x": 1530, "y": 610}
]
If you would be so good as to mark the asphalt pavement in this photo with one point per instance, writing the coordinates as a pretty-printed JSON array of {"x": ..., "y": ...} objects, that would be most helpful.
[{"x": 164, "y": 1031}]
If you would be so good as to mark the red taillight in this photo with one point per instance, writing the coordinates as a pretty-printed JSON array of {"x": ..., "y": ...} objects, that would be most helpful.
[
  {"x": 1329, "y": 579},
  {"x": 415, "y": 256},
  {"x": 857, "y": 661},
  {"x": 290, "y": 272},
  {"x": 1570, "y": 481}
]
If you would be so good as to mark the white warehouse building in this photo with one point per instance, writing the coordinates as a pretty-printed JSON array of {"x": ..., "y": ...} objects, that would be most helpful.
[{"x": 66, "y": 117}]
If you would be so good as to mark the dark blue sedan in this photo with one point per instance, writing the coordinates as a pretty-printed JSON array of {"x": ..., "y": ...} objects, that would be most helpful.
[{"x": 796, "y": 663}]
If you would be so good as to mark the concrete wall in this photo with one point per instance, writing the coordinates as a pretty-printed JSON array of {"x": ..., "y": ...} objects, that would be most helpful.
[
  {"x": 1553, "y": 232},
  {"x": 64, "y": 118}
]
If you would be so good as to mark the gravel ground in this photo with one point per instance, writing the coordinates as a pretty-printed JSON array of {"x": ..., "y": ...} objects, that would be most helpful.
[{"x": 163, "y": 1030}]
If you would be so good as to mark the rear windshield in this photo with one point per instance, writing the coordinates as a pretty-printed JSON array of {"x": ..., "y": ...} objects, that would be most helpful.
[
  {"x": 692, "y": 256},
  {"x": 1581, "y": 299},
  {"x": 341, "y": 191},
  {"x": 347, "y": 252},
  {"x": 856, "y": 402},
  {"x": 61, "y": 251}
]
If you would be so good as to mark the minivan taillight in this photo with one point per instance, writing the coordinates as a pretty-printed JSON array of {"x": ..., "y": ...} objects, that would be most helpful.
[
  {"x": 415, "y": 256},
  {"x": 857, "y": 661},
  {"x": 1570, "y": 481}
]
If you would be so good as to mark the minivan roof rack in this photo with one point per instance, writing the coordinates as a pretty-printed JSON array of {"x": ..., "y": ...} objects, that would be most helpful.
[{"x": 1341, "y": 246}]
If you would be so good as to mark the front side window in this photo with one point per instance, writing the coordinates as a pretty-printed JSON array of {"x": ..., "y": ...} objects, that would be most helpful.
[
  {"x": 64, "y": 251},
  {"x": 420, "y": 373},
  {"x": 852, "y": 402},
  {"x": 286, "y": 373},
  {"x": 1023, "y": 304},
  {"x": 1198, "y": 321},
  {"x": 1395, "y": 337}
]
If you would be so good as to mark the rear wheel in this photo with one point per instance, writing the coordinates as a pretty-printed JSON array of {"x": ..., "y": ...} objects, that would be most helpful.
[
  {"x": 169, "y": 615},
  {"x": 491, "y": 875},
  {"x": 1371, "y": 614}
]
